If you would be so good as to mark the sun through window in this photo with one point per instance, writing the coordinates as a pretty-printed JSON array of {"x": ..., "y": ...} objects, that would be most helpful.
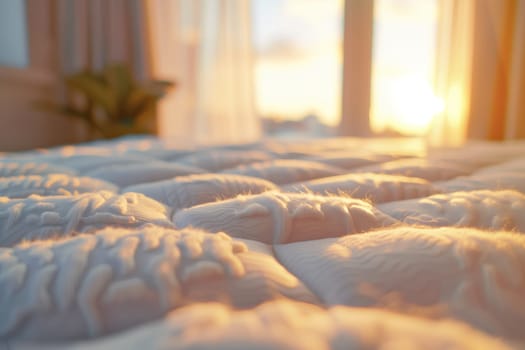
[{"x": 298, "y": 65}]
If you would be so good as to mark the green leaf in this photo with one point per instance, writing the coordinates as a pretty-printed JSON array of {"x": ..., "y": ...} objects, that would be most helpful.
[
  {"x": 119, "y": 79},
  {"x": 138, "y": 101},
  {"x": 96, "y": 91},
  {"x": 157, "y": 88}
]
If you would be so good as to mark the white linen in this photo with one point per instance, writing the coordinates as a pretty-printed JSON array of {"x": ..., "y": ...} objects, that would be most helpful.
[{"x": 135, "y": 244}]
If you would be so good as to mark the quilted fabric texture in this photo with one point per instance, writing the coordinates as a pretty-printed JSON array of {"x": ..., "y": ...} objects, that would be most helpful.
[{"x": 326, "y": 244}]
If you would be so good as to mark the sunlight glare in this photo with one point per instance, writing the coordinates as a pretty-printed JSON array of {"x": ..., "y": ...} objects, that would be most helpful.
[
  {"x": 403, "y": 98},
  {"x": 409, "y": 105}
]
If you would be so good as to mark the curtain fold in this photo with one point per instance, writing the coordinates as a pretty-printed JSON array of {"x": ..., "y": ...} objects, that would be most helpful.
[
  {"x": 491, "y": 67},
  {"x": 205, "y": 46},
  {"x": 497, "y": 71},
  {"x": 515, "y": 125},
  {"x": 480, "y": 71},
  {"x": 94, "y": 33}
]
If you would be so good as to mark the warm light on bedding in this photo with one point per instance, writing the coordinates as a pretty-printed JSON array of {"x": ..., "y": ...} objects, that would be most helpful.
[{"x": 326, "y": 244}]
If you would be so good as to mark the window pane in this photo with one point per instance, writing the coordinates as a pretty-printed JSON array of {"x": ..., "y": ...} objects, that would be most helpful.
[
  {"x": 13, "y": 34},
  {"x": 298, "y": 62},
  {"x": 403, "y": 100}
]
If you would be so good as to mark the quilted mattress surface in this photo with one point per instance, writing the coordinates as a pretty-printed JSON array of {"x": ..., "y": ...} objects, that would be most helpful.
[{"x": 326, "y": 244}]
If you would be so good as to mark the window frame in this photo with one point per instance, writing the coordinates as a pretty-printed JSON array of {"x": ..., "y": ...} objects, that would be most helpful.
[{"x": 357, "y": 68}]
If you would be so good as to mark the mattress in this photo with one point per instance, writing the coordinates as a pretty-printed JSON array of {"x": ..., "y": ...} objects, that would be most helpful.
[{"x": 316, "y": 244}]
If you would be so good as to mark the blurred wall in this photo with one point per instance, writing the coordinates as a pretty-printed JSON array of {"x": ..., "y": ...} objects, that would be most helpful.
[{"x": 22, "y": 125}]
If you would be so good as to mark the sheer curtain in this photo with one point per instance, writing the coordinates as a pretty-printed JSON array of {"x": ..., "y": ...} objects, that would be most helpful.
[
  {"x": 205, "y": 46},
  {"x": 453, "y": 71},
  {"x": 480, "y": 71}
]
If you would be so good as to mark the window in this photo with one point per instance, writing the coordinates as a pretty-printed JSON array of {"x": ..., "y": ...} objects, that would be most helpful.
[
  {"x": 13, "y": 34},
  {"x": 298, "y": 63},
  {"x": 298, "y": 68}
]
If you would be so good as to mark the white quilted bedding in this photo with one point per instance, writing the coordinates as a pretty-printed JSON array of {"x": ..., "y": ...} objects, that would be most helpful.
[{"x": 332, "y": 244}]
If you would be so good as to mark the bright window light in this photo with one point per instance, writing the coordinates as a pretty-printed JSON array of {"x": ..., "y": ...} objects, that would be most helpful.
[
  {"x": 298, "y": 64},
  {"x": 403, "y": 98}
]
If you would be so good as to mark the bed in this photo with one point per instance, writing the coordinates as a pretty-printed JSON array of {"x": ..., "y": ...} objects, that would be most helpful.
[{"x": 136, "y": 243}]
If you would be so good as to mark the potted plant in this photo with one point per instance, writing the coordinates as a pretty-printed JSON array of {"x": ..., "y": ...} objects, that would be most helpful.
[{"x": 111, "y": 102}]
